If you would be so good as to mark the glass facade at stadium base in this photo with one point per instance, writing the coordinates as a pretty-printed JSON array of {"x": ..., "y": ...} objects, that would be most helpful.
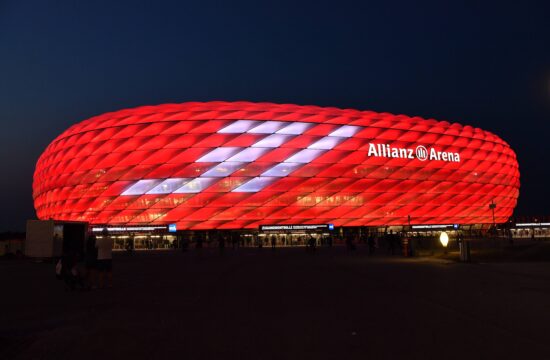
[
  {"x": 225, "y": 167},
  {"x": 160, "y": 239},
  {"x": 142, "y": 238}
]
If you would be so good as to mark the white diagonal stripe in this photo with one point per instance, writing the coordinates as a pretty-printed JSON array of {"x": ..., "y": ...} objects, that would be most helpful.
[
  {"x": 249, "y": 154},
  {"x": 295, "y": 128},
  {"x": 345, "y": 131},
  {"x": 168, "y": 186},
  {"x": 219, "y": 154},
  {"x": 256, "y": 184},
  {"x": 239, "y": 127},
  {"x": 326, "y": 143},
  {"x": 232, "y": 158},
  {"x": 195, "y": 186},
  {"x": 302, "y": 157},
  {"x": 305, "y": 156},
  {"x": 267, "y": 127},
  {"x": 282, "y": 169},
  {"x": 142, "y": 186},
  {"x": 224, "y": 169},
  {"x": 273, "y": 141}
]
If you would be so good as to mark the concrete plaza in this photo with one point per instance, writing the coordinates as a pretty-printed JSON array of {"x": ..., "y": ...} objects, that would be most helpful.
[{"x": 282, "y": 304}]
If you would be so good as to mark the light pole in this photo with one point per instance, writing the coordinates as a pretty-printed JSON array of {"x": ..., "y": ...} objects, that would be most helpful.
[{"x": 492, "y": 206}]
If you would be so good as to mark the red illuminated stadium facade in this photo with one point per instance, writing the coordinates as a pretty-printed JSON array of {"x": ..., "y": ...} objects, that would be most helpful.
[{"x": 238, "y": 165}]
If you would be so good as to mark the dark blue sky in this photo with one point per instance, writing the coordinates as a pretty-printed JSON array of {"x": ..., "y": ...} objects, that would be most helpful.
[{"x": 477, "y": 63}]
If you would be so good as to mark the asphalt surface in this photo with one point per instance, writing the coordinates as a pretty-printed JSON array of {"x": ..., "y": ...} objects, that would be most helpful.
[{"x": 282, "y": 304}]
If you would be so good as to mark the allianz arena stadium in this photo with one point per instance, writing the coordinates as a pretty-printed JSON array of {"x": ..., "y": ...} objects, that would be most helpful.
[{"x": 240, "y": 165}]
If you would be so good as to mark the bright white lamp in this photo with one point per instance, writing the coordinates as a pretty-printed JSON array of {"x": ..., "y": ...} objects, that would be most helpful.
[{"x": 444, "y": 239}]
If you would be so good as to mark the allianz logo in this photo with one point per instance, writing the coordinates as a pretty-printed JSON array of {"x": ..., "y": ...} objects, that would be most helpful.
[{"x": 420, "y": 152}]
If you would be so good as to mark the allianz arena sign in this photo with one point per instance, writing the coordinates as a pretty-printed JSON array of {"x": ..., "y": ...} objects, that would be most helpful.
[
  {"x": 421, "y": 153},
  {"x": 237, "y": 165}
]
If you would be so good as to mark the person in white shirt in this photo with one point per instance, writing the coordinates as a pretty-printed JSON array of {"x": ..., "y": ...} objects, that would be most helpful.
[{"x": 104, "y": 246}]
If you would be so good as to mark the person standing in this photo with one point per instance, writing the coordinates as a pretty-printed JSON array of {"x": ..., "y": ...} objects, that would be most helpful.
[
  {"x": 184, "y": 241},
  {"x": 390, "y": 239},
  {"x": 312, "y": 243},
  {"x": 371, "y": 243},
  {"x": 130, "y": 245},
  {"x": 104, "y": 247}
]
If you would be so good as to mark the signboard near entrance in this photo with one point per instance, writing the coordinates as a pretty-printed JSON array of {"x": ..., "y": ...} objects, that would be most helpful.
[{"x": 290, "y": 227}]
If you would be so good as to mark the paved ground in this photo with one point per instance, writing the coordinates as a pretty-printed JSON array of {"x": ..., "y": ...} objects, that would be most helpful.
[{"x": 284, "y": 304}]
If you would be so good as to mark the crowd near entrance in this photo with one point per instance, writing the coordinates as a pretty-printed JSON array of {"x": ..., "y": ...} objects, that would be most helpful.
[{"x": 294, "y": 239}]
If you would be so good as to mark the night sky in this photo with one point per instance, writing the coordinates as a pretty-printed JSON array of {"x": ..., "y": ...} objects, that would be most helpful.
[{"x": 476, "y": 63}]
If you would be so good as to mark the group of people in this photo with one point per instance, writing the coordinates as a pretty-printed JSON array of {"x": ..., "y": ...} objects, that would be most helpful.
[
  {"x": 95, "y": 272},
  {"x": 308, "y": 240},
  {"x": 372, "y": 240},
  {"x": 236, "y": 240}
]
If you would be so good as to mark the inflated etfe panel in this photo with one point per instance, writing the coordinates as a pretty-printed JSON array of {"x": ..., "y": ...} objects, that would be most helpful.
[{"x": 223, "y": 165}]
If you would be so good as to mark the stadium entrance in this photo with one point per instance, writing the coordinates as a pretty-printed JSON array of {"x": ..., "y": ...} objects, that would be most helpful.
[{"x": 296, "y": 235}]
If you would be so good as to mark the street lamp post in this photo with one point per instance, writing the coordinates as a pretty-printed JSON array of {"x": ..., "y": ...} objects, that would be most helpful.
[
  {"x": 492, "y": 206},
  {"x": 410, "y": 239}
]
